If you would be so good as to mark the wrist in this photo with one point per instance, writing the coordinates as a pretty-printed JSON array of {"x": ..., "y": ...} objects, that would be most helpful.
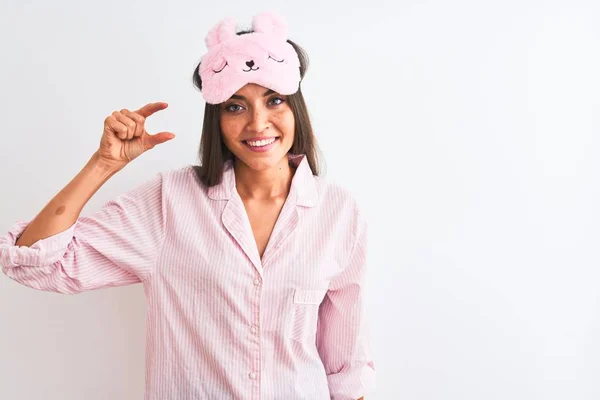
[{"x": 104, "y": 167}]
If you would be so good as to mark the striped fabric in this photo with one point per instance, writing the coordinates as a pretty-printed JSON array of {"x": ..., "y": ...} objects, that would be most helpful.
[{"x": 223, "y": 323}]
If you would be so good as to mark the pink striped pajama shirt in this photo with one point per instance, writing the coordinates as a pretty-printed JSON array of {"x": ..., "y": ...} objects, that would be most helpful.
[{"x": 222, "y": 323}]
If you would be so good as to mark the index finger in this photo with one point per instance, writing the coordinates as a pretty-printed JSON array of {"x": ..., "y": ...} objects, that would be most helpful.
[{"x": 151, "y": 108}]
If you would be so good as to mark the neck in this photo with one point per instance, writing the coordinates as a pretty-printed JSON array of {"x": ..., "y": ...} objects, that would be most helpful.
[{"x": 266, "y": 185}]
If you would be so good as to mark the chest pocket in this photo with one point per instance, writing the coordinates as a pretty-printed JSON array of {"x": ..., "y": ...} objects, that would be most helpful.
[{"x": 305, "y": 313}]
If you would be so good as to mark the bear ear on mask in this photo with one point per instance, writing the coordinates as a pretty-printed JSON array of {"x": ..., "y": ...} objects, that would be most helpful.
[{"x": 263, "y": 57}]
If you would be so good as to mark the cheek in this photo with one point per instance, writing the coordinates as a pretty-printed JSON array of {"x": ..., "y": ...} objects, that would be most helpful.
[
  {"x": 230, "y": 128},
  {"x": 287, "y": 122}
]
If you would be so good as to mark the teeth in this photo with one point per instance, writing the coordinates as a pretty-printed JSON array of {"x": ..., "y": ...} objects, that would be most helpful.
[{"x": 261, "y": 143}]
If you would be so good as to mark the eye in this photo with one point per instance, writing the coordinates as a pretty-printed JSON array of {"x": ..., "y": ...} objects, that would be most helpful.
[
  {"x": 216, "y": 72},
  {"x": 276, "y": 59},
  {"x": 281, "y": 101},
  {"x": 231, "y": 108},
  {"x": 273, "y": 101}
]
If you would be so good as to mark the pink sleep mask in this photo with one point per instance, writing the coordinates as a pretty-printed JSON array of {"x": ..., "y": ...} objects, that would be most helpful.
[{"x": 263, "y": 57}]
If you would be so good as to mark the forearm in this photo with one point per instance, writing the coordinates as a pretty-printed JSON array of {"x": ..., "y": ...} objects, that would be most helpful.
[{"x": 64, "y": 209}]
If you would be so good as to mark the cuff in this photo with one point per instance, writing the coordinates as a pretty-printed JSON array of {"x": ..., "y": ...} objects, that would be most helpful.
[
  {"x": 43, "y": 252},
  {"x": 352, "y": 384}
]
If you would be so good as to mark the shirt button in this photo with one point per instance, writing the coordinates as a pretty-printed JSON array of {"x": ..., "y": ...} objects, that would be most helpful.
[
  {"x": 256, "y": 282},
  {"x": 252, "y": 375},
  {"x": 253, "y": 329}
]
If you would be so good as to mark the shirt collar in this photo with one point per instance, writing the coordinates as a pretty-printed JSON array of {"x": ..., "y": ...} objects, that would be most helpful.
[{"x": 303, "y": 187}]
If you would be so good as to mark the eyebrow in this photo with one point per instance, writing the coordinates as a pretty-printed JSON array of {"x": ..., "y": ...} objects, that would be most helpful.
[{"x": 238, "y": 97}]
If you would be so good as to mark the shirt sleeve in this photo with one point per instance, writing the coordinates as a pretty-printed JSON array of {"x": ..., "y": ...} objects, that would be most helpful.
[
  {"x": 342, "y": 333},
  {"x": 116, "y": 246}
]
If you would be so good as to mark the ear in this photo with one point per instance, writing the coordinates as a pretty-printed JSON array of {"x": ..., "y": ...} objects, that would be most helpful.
[
  {"x": 224, "y": 30},
  {"x": 271, "y": 23}
]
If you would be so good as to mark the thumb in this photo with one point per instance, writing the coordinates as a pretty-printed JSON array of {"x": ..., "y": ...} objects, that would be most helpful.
[{"x": 159, "y": 138}]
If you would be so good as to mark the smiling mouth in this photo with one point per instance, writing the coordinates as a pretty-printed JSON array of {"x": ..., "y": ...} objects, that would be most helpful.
[
  {"x": 251, "y": 69},
  {"x": 272, "y": 137}
]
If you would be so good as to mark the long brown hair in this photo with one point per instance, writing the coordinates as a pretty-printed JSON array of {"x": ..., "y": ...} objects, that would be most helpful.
[{"x": 213, "y": 153}]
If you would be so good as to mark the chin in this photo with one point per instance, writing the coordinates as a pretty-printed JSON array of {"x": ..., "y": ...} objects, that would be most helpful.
[{"x": 261, "y": 162}]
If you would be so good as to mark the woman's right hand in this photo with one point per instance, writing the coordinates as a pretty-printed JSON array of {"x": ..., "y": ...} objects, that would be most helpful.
[{"x": 125, "y": 138}]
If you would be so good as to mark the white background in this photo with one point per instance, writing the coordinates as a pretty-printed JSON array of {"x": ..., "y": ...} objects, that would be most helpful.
[{"x": 469, "y": 131}]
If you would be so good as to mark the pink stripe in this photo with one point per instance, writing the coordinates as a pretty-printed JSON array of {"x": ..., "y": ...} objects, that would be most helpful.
[{"x": 223, "y": 323}]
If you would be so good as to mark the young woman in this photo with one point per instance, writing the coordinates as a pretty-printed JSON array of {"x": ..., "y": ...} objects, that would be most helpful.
[{"x": 252, "y": 264}]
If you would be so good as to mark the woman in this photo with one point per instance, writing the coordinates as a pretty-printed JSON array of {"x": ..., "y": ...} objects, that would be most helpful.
[{"x": 252, "y": 264}]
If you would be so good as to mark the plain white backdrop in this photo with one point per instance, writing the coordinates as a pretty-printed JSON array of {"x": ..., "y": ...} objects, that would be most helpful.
[{"x": 468, "y": 130}]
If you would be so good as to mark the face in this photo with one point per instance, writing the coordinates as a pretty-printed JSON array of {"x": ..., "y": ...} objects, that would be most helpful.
[{"x": 258, "y": 127}]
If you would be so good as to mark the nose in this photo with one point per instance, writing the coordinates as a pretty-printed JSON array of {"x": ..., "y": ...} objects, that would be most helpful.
[
  {"x": 259, "y": 120},
  {"x": 250, "y": 64}
]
